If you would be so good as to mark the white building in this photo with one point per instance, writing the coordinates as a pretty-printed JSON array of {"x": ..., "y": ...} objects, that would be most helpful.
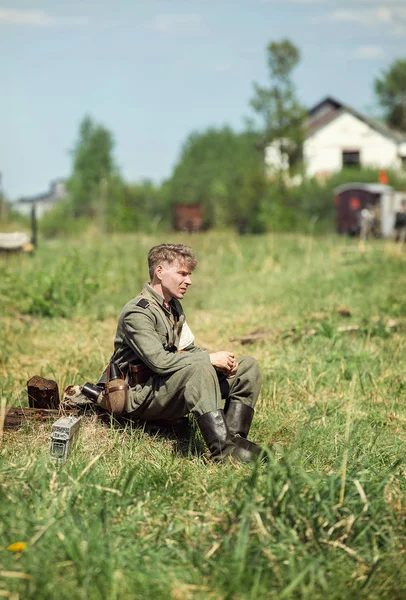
[
  {"x": 338, "y": 136},
  {"x": 43, "y": 202}
]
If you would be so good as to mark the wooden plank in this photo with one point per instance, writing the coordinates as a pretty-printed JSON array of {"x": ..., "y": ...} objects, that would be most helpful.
[{"x": 16, "y": 417}]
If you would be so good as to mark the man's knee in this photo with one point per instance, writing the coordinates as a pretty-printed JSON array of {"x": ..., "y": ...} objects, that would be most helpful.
[
  {"x": 199, "y": 367},
  {"x": 202, "y": 391},
  {"x": 198, "y": 374},
  {"x": 249, "y": 366}
]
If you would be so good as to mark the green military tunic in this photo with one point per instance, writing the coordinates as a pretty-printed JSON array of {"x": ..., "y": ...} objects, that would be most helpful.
[{"x": 153, "y": 333}]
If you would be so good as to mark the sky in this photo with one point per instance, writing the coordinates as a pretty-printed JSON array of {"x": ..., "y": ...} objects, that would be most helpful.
[{"x": 154, "y": 71}]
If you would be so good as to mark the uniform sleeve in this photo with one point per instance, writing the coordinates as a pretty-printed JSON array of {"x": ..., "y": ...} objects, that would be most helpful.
[
  {"x": 143, "y": 339},
  {"x": 193, "y": 348}
]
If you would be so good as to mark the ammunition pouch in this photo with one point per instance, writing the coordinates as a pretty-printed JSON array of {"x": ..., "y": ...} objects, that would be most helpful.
[{"x": 139, "y": 374}]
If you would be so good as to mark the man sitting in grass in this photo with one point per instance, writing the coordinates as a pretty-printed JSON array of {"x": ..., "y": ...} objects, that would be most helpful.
[{"x": 170, "y": 377}]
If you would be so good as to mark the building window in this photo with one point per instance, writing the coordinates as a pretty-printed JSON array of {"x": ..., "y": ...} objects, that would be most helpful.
[{"x": 351, "y": 158}]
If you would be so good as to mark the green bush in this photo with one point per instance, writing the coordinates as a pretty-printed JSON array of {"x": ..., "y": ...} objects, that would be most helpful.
[
  {"x": 69, "y": 285},
  {"x": 56, "y": 289},
  {"x": 60, "y": 220}
]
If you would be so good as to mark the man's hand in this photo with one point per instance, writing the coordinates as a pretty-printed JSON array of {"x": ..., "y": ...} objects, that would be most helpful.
[{"x": 225, "y": 361}]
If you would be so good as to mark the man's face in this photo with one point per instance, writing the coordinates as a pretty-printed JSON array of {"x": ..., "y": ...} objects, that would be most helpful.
[{"x": 175, "y": 279}]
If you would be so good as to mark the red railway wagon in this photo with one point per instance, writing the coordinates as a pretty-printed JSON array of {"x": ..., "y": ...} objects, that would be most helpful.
[{"x": 351, "y": 198}]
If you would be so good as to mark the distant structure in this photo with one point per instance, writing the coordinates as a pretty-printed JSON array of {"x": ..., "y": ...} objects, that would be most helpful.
[
  {"x": 338, "y": 136},
  {"x": 43, "y": 202},
  {"x": 381, "y": 200},
  {"x": 188, "y": 217}
]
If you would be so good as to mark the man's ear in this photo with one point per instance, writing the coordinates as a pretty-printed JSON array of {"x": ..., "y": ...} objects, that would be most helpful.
[{"x": 158, "y": 272}]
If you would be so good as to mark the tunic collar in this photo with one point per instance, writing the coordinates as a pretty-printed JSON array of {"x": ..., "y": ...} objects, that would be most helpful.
[{"x": 147, "y": 290}]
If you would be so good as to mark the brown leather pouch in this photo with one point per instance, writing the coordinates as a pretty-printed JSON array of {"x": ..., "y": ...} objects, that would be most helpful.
[{"x": 140, "y": 374}]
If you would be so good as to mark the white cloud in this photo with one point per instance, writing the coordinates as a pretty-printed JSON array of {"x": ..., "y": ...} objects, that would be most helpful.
[
  {"x": 390, "y": 20},
  {"x": 179, "y": 23},
  {"x": 365, "y": 17},
  {"x": 37, "y": 18},
  {"x": 368, "y": 52}
]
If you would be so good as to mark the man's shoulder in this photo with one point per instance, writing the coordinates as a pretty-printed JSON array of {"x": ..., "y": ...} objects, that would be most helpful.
[
  {"x": 142, "y": 302},
  {"x": 135, "y": 305}
]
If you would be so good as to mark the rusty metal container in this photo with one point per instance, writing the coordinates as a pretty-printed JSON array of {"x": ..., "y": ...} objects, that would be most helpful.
[{"x": 188, "y": 217}]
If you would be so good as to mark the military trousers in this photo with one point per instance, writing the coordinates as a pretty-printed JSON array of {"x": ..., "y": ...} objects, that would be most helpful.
[{"x": 196, "y": 389}]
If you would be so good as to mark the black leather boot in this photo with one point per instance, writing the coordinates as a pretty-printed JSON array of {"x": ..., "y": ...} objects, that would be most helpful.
[
  {"x": 215, "y": 433},
  {"x": 239, "y": 418}
]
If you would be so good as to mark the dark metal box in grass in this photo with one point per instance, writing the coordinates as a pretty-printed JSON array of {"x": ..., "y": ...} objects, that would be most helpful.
[{"x": 63, "y": 435}]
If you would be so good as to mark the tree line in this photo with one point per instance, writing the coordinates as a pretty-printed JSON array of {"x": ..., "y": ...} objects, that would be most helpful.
[{"x": 221, "y": 169}]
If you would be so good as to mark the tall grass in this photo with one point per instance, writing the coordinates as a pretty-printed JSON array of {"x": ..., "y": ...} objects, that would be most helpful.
[{"x": 138, "y": 513}]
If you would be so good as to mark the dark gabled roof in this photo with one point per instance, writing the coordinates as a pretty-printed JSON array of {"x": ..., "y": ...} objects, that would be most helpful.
[
  {"x": 42, "y": 197},
  {"x": 334, "y": 108},
  {"x": 49, "y": 197}
]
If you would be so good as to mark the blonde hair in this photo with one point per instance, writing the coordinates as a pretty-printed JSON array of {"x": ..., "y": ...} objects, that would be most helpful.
[{"x": 169, "y": 253}]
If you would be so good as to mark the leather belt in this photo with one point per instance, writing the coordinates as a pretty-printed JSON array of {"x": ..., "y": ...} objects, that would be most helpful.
[{"x": 140, "y": 374}]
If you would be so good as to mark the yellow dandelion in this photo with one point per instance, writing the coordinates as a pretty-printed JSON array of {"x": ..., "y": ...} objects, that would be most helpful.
[{"x": 17, "y": 547}]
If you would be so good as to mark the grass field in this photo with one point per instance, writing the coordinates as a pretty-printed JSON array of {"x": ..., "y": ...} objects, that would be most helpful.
[{"x": 136, "y": 514}]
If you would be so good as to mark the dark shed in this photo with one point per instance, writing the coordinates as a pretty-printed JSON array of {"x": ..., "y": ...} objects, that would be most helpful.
[
  {"x": 351, "y": 198},
  {"x": 188, "y": 217}
]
